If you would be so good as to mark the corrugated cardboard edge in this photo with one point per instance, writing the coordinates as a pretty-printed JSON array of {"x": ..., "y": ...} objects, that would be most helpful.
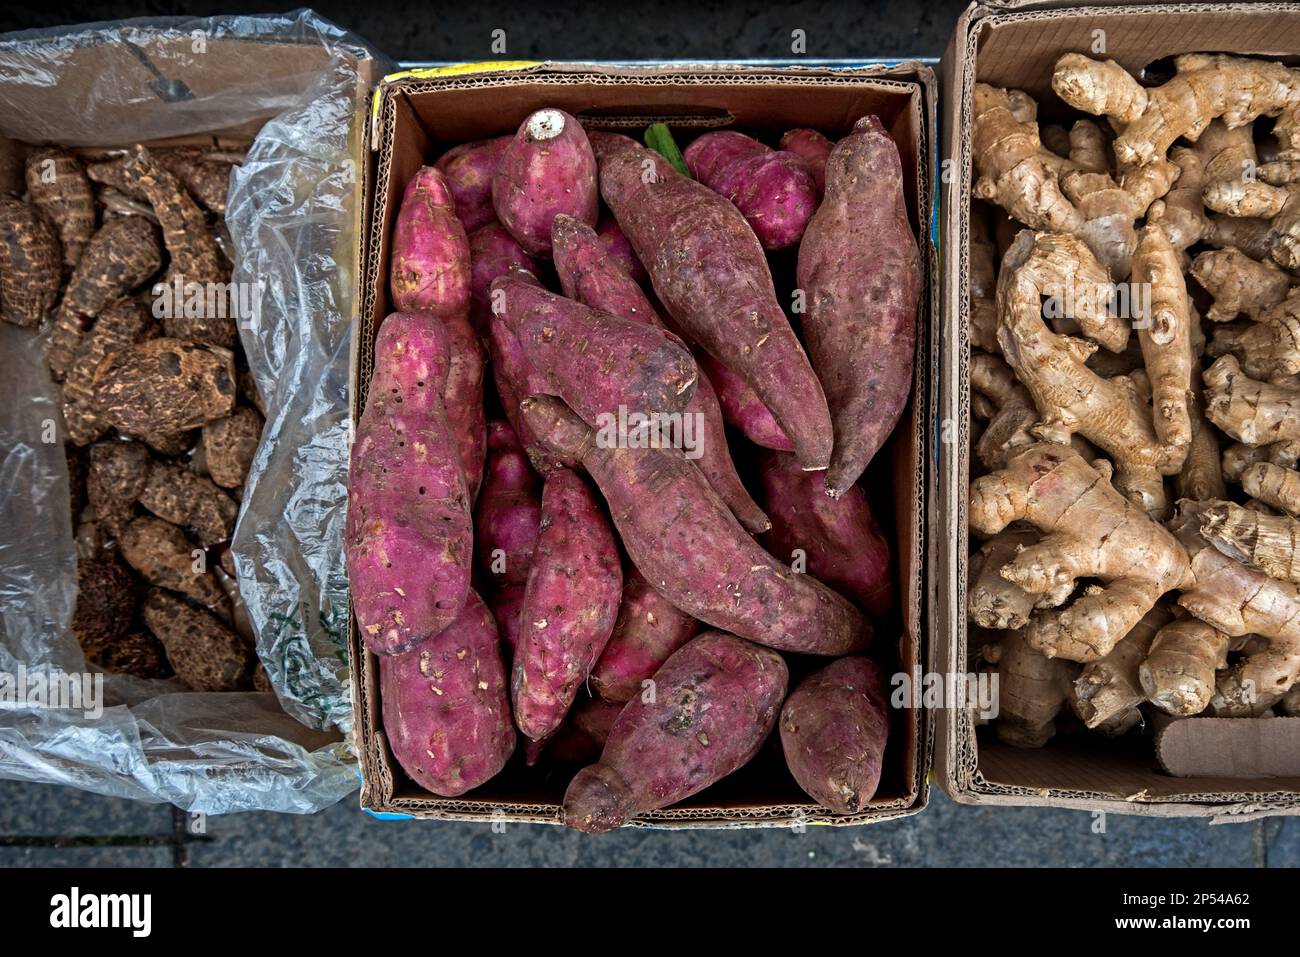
[
  {"x": 956, "y": 758},
  {"x": 378, "y": 783}
]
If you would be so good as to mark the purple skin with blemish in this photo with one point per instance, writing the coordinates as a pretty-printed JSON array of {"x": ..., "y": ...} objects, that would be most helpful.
[
  {"x": 468, "y": 169},
  {"x": 595, "y": 361},
  {"x": 834, "y": 728},
  {"x": 409, "y": 541},
  {"x": 860, "y": 271},
  {"x": 685, "y": 541},
  {"x": 547, "y": 168},
  {"x": 839, "y": 537},
  {"x": 620, "y": 250},
  {"x": 648, "y": 630},
  {"x": 590, "y": 275},
  {"x": 446, "y": 707},
  {"x": 811, "y": 147},
  {"x": 493, "y": 252},
  {"x": 774, "y": 190},
  {"x": 715, "y": 702},
  {"x": 570, "y": 604},
  {"x": 508, "y": 511},
  {"x": 712, "y": 276},
  {"x": 429, "y": 271}
]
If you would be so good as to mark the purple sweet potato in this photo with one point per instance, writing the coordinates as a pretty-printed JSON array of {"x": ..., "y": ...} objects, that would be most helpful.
[
  {"x": 716, "y": 700},
  {"x": 446, "y": 705},
  {"x": 547, "y": 168},
  {"x": 516, "y": 379},
  {"x": 492, "y": 252},
  {"x": 834, "y": 728},
  {"x": 429, "y": 270},
  {"x": 590, "y": 275},
  {"x": 839, "y": 537},
  {"x": 506, "y": 604},
  {"x": 689, "y": 546},
  {"x": 773, "y": 189},
  {"x": 597, "y": 362},
  {"x": 741, "y": 405},
  {"x": 648, "y": 630},
  {"x": 616, "y": 244},
  {"x": 409, "y": 542},
  {"x": 570, "y": 604},
  {"x": 712, "y": 276},
  {"x": 463, "y": 397},
  {"x": 860, "y": 270},
  {"x": 811, "y": 147},
  {"x": 468, "y": 169},
  {"x": 508, "y": 511}
]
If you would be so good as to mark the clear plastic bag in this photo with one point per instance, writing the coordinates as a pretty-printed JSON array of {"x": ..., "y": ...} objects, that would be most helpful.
[{"x": 293, "y": 212}]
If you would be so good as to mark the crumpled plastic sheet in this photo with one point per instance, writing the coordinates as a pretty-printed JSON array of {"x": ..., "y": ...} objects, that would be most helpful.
[{"x": 292, "y": 217}]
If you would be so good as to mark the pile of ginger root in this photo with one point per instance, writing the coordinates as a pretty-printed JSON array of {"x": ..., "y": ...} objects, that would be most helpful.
[{"x": 1135, "y": 394}]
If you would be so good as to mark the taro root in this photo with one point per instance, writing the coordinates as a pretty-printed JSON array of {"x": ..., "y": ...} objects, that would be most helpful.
[
  {"x": 105, "y": 604},
  {"x": 229, "y": 445},
  {"x": 116, "y": 479},
  {"x": 30, "y": 264},
  {"x": 207, "y": 180},
  {"x": 58, "y": 187},
  {"x": 162, "y": 555},
  {"x": 122, "y": 254},
  {"x": 135, "y": 653},
  {"x": 167, "y": 444},
  {"x": 124, "y": 323},
  {"x": 164, "y": 386},
  {"x": 183, "y": 498},
  {"x": 205, "y": 654}
]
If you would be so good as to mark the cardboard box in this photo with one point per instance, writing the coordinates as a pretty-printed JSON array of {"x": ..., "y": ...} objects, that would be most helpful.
[
  {"x": 1016, "y": 45},
  {"x": 418, "y": 114}
]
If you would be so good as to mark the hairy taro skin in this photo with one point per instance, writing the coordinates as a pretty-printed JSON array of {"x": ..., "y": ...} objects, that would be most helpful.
[
  {"x": 58, "y": 187},
  {"x": 31, "y": 268},
  {"x": 590, "y": 275},
  {"x": 468, "y": 169},
  {"x": 596, "y": 361},
  {"x": 409, "y": 541},
  {"x": 834, "y": 728},
  {"x": 860, "y": 270},
  {"x": 445, "y": 704},
  {"x": 811, "y": 147},
  {"x": 164, "y": 386},
  {"x": 649, "y": 629},
  {"x": 774, "y": 190},
  {"x": 492, "y": 252},
  {"x": 716, "y": 700},
  {"x": 203, "y": 651},
  {"x": 546, "y": 169},
  {"x": 839, "y": 537},
  {"x": 570, "y": 604},
  {"x": 695, "y": 552},
  {"x": 508, "y": 512},
  {"x": 711, "y": 274},
  {"x": 429, "y": 271}
]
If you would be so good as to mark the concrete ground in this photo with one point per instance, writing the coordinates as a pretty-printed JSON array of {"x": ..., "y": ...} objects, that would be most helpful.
[{"x": 48, "y": 826}]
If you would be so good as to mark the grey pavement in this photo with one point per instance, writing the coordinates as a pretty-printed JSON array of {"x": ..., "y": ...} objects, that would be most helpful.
[{"x": 49, "y": 825}]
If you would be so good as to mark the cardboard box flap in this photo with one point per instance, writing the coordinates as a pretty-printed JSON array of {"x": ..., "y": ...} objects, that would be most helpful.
[{"x": 1232, "y": 748}]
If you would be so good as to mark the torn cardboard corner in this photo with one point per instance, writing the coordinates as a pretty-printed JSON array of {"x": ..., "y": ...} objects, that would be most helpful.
[
  {"x": 1231, "y": 747},
  {"x": 415, "y": 118}
]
